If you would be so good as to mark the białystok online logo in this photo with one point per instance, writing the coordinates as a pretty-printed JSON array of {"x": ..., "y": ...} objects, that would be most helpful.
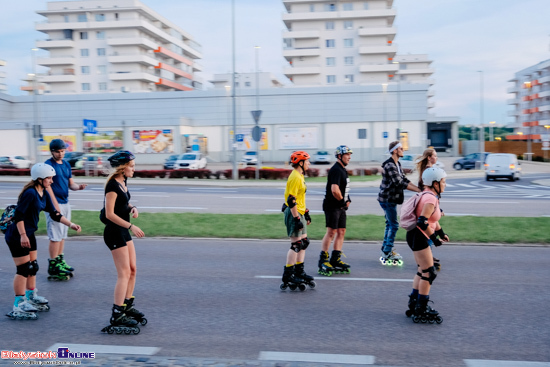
[{"x": 62, "y": 353}]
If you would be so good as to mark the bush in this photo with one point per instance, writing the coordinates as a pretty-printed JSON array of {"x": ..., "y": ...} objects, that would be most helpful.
[
  {"x": 364, "y": 172},
  {"x": 190, "y": 173},
  {"x": 81, "y": 172},
  {"x": 151, "y": 173},
  {"x": 312, "y": 172},
  {"x": 15, "y": 172},
  {"x": 250, "y": 173}
]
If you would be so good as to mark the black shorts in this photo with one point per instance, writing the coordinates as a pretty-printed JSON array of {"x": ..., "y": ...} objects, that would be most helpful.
[
  {"x": 116, "y": 236},
  {"x": 416, "y": 240},
  {"x": 18, "y": 251},
  {"x": 335, "y": 218}
]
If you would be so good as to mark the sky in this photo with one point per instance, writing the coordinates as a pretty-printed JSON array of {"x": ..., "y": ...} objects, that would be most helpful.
[{"x": 476, "y": 45}]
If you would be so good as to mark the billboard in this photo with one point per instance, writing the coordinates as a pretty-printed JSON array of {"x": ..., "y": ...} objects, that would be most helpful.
[
  {"x": 68, "y": 138},
  {"x": 104, "y": 142},
  {"x": 298, "y": 138},
  {"x": 245, "y": 140},
  {"x": 153, "y": 141}
]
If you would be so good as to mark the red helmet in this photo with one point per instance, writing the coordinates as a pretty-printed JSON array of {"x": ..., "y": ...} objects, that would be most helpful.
[{"x": 298, "y": 156}]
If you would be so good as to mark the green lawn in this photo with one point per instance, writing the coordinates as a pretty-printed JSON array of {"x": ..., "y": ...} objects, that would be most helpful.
[{"x": 360, "y": 227}]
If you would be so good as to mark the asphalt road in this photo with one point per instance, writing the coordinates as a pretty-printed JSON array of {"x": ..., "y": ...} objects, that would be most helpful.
[{"x": 221, "y": 299}]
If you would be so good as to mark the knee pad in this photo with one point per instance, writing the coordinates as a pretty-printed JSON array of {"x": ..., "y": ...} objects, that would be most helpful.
[
  {"x": 23, "y": 269},
  {"x": 431, "y": 271},
  {"x": 33, "y": 268},
  {"x": 296, "y": 246},
  {"x": 305, "y": 243}
]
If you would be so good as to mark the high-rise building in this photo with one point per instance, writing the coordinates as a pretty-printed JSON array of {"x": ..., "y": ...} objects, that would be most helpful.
[
  {"x": 246, "y": 81},
  {"x": 531, "y": 102},
  {"x": 3, "y": 87},
  {"x": 102, "y": 46}
]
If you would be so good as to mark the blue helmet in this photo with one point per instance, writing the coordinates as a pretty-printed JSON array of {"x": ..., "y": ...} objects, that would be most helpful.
[
  {"x": 121, "y": 157},
  {"x": 57, "y": 144}
]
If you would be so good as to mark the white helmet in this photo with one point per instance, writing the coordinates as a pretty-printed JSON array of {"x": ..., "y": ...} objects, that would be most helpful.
[
  {"x": 42, "y": 170},
  {"x": 431, "y": 175}
]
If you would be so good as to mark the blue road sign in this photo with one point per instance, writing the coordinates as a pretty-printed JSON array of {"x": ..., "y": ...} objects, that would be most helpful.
[
  {"x": 385, "y": 134},
  {"x": 90, "y": 126}
]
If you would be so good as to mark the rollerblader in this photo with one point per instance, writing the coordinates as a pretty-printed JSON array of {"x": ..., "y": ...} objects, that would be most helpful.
[
  {"x": 59, "y": 192},
  {"x": 335, "y": 204},
  {"x": 297, "y": 218},
  {"x": 21, "y": 240},
  {"x": 391, "y": 195},
  {"x": 420, "y": 239},
  {"x": 116, "y": 217}
]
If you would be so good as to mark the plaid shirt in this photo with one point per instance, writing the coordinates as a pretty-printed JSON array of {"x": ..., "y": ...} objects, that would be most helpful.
[{"x": 393, "y": 183}]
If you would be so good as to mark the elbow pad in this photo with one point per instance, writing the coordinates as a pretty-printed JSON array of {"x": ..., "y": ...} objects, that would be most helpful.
[
  {"x": 422, "y": 223},
  {"x": 56, "y": 216},
  {"x": 291, "y": 201}
]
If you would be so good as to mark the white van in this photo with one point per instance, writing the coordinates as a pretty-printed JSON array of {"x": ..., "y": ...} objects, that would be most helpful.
[{"x": 502, "y": 165}]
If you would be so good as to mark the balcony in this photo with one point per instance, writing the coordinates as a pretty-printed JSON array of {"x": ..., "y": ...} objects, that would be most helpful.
[
  {"x": 51, "y": 61},
  {"x": 416, "y": 71},
  {"x": 172, "y": 85},
  {"x": 133, "y": 58},
  {"x": 61, "y": 43},
  {"x": 378, "y": 31},
  {"x": 197, "y": 66},
  {"x": 142, "y": 76},
  {"x": 386, "y": 50},
  {"x": 544, "y": 79},
  {"x": 301, "y": 34},
  {"x": 513, "y": 101},
  {"x": 174, "y": 70},
  {"x": 289, "y": 53},
  {"x": 376, "y": 68},
  {"x": 302, "y": 70},
  {"x": 133, "y": 41},
  {"x": 288, "y": 18},
  {"x": 57, "y": 78},
  {"x": 513, "y": 89},
  {"x": 513, "y": 113}
]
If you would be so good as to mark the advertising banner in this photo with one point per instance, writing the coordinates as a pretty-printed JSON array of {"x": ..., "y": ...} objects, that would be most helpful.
[
  {"x": 246, "y": 142},
  {"x": 68, "y": 138},
  {"x": 153, "y": 141},
  {"x": 298, "y": 138},
  {"x": 104, "y": 142}
]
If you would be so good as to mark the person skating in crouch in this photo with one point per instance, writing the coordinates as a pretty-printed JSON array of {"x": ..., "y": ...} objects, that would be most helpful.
[
  {"x": 116, "y": 217},
  {"x": 420, "y": 240},
  {"x": 297, "y": 218},
  {"x": 335, "y": 204},
  {"x": 22, "y": 243},
  {"x": 390, "y": 195}
]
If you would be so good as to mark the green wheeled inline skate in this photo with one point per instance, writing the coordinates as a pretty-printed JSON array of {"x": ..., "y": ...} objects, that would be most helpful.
[
  {"x": 391, "y": 258},
  {"x": 338, "y": 265},
  {"x": 57, "y": 272},
  {"x": 324, "y": 265}
]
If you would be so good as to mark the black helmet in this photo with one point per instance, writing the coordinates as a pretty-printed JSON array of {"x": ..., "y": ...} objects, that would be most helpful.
[
  {"x": 57, "y": 144},
  {"x": 121, "y": 157}
]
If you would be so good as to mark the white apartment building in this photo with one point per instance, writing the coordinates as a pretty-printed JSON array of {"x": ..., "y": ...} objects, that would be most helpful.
[
  {"x": 3, "y": 87},
  {"x": 531, "y": 102},
  {"x": 246, "y": 81},
  {"x": 102, "y": 46}
]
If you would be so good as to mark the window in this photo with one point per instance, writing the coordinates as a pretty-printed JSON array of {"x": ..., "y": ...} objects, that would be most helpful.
[
  {"x": 66, "y": 17},
  {"x": 348, "y": 24},
  {"x": 312, "y": 8},
  {"x": 83, "y": 35},
  {"x": 82, "y": 18},
  {"x": 85, "y": 86},
  {"x": 347, "y": 6},
  {"x": 348, "y": 42},
  {"x": 329, "y": 26},
  {"x": 102, "y": 69},
  {"x": 236, "y": 84},
  {"x": 100, "y": 17},
  {"x": 348, "y": 78},
  {"x": 84, "y": 52},
  {"x": 330, "y": 7},
  {"x": 100, "y": 52},
  {"x": 102, "y": 86},
  {"x": 331, "y": 61},
  {"x": 348, "y": 60},
  {"x": 116, "y": 16},
  {"x": 331, "y": 79},
  {"x": 247, "y": 84},
  {"x": 330, "y": 43},
  {"x": 100, "y": 35},
  {"x": 85, "y": 69}
]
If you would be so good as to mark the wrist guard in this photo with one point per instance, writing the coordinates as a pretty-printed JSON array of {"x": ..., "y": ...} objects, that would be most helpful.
[
  {"x": 440, "y": 233},
  {"x": 298, "y": 225},
  {"x": 307, "y": 217},
  {"x": 435, "y": 240}
]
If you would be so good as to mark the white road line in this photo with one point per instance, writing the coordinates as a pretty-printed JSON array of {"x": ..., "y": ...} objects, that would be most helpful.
[
  {"x": 105, "y": 349},
  {"x": 460, "y": 215},
  {"x": 172, "y": 207},
  {"x": 480, "y": 202},
  {"x": 354, "y": 279},
  {"x": 490, "y": 363},
  {"x": 263, "y": 198},
  {"x": 465, "y": 185},
  {"x": 316, "y": 358}
]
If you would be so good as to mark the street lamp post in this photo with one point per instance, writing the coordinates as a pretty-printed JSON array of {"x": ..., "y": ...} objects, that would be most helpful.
[
  {"x": 481, "y": 129},
  {"x": 384, "y": 93},
  {"x": 257, "y": 49},
  {"x": 233, "y": 96},
  {"x": 546, "y": 140},
  {"x": 33, "y": 147},
  {"x": 529, "y": 154},
  {"x": 491, "y": 136}
]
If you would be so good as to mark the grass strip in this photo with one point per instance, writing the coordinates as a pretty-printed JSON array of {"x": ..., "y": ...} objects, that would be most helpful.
[{"x": 359, "y": 227}]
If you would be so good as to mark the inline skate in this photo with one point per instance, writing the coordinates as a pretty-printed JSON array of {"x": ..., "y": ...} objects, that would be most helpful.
[
  {"x": 412, "y": 305},
  {"x": 291, "y": 280},
  {"x": 424, "y": 313},
  {"x": 324, "y": 265},
  {"x": 300, "y": 272},
  {"x": 121, "y": 323},
  {"x": 64, "y": 265},
  {"x": 133, "y": 312},
  {"x": 39, "y": 302},
  {"x": 57, "y": 272},
  {"x": 338, "y": 265},
  {"x": 22, "y": 310},
  {"x": 391, "y": 258}
]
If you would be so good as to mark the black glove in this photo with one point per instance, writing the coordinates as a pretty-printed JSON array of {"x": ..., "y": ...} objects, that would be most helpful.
[
  {"x": 435, "y": 240},
  {"x": 440, "y": 233},
  {"x": 284, "y": 207},
  {"x": 298, "y": 225},
  {"x": 307, "y": 216}
]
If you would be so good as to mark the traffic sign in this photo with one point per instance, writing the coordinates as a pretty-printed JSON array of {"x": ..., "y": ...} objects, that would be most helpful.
[
  {"x": 256, "y": 115},
  {"x": 239, "y": 138},
  {"x": 90, "y": 126},
  {"x": 256, "y": 133},
  {"x": 385, "y": 134}
]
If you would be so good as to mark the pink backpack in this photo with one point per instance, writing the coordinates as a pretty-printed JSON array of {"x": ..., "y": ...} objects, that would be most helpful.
[{"x": 408, "y": 211}]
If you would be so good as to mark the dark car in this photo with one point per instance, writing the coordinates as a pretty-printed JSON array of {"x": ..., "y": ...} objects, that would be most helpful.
[
  {"x": 169, "y": 162},
  {"x": 474, "y": 160},
  {"x": 73, "y": 157}
]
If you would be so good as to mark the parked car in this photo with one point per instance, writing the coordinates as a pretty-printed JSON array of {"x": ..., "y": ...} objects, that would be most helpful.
[
  {"x": 250, "y": 158},
  {"x": 14, "y": 161},
  {"x": 73, "y": 157},
  {"x": 502, "y": 165},
  {"x": 190, "y": 161},
  {"x": 470, "y": 161},
  {"x": 320, "y": 157},
  {"x": 408, "y": 162},
  {"x": 93, "y": 162},
  {"x": 169, "y": 162}
]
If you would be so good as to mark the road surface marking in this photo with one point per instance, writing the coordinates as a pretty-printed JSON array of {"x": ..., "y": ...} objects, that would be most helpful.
[
  {"x": 490, "y": 363},
  {"x": 316, "y": 358},
  {"x": 465, "y": 185},
  {"x": 358, "y": 279},
  {"x": 172, "y": 207},
  {"x": 105, "y": 349},
  {"x": 480, "y": 202}
]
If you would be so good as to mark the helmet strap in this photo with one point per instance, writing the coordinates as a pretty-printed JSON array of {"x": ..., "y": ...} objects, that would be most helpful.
[
  {"x": 436, "y": 190},
  {"x": 339, "y": 158},
  {"x": 301, "y": 165}
]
